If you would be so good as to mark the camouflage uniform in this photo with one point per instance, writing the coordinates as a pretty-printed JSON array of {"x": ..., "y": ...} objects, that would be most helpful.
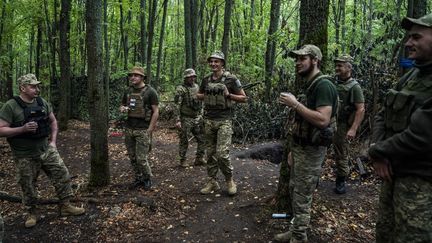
[
  {"x": 350, "y": 93},
  {"x": 189, "y": 114},
  {"x": 218, "y": 125},
  {"x": 402, "y": 134},
  {"x": 307, "y": 151},
  {"x": 137, "y": 138},
  {"x": 32, "y": 153}
]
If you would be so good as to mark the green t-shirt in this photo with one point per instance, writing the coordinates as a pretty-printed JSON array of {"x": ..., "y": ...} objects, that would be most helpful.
[
  {"x": 11, "y": 112},
  {"x": 323, "y": 94},
  {"x": 150, "y": 97},
  {"x": 233, "y": 85}
]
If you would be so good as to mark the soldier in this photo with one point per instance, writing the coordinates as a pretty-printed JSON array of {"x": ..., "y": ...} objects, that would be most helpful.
[
  {"x": 219, "y": 90},
  {"x": 31, "y": 129},
  {"x": 350, "y": 116},
  {"x": 402, "y": 145},
  {"x": 189, "y": 117},
  {"x": 311, "y": 125},
  {"x": 140, "y": 102}
]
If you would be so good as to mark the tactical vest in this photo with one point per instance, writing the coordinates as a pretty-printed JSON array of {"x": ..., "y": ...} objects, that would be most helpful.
[
  {"x": 137, "y": 106},
  {"x": 190, "y": 106},
  {"x": 400, "y": 103},
  {"x": 305, "y": 133},
  {"x": 346, "y": 111},
  {"x": 214, "y": 98},
  {"x": 37, "y": 114}
]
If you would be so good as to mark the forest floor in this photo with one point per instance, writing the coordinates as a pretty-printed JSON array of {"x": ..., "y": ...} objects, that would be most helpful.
[{"x": 174, "y": 210}]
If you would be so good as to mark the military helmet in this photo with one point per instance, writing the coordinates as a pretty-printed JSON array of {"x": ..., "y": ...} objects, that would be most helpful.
[
  {"x": 425, "y": 21},
  {"x": 189, "y": 73},
  {"x": 312, "y": 50},
  {"x": 344, "y": 58},
  {"x": 137, "y": 70},
  {"x": 28, "y": 79},
  {"x": 218, "y": 55}
]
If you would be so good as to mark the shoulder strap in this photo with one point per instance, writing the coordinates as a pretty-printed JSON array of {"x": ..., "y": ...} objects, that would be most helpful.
[
  {"x": 316, "y": 81},
  {"x": 411, "y": 73},
  {"x": 20, "y": 102},
  {"x": 351, "y": 84},
  {"x": 39, "y": 101}
]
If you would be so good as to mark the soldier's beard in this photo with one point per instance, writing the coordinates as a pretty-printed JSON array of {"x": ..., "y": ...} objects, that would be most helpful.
[{"x": 306, "y": 72}]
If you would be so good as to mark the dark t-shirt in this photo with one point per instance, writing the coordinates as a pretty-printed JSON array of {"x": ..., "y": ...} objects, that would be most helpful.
[
  {"x": 324, "y": 94},
  {"x": 150, "y": 97},
  {"x": 11, "y": 112},
  {"x": 233, "y": 85}
]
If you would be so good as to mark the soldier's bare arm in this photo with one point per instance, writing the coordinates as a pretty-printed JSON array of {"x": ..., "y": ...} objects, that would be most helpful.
[
  {"x": 155, "y": 116},
  {"x": 358, "y": 118},
  {"x": 7, "y": 131},
  {"x": 239, "y": 97},
  {"x": 54, "y": 129}
]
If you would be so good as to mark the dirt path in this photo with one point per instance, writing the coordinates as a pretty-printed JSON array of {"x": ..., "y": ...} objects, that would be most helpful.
[{"x": 174, "y": 211}]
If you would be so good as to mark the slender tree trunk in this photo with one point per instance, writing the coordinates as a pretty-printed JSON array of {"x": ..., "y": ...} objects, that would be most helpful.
[
  {"x": 271, "y": 45},
  {"x": 65, "y": 73},
  {"x": 194, "y": 35},
  {"x": 151, "y": 24},
  {"x": 98, "y": 111},
  {"x": 156, "y": 83},
  {"x": 188, "y": 33},
  {"x": 123, "y": 35},
  {"x": 227, "y": 28},
  {"x": 38, "y": 49},
  {"x": 107, "y": 53},
  {"x": 143, "y": 33},
  {"x": 252, "y": 15}
]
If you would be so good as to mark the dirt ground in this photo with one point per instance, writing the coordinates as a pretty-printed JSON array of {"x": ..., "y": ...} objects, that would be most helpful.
[{"x": 174, "y": 210}]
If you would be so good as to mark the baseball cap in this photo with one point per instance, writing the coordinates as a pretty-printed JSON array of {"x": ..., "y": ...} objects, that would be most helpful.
[{"x": 307, "y": 50}]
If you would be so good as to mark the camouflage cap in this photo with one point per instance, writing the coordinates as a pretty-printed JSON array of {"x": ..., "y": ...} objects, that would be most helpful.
[
  {"x": 28, "y": 79},
  {"x": 189, "y": 73},
  {"x": 137, "y": 70},
  {"x": 218, "y": 55},
  {"x": 344, "y": 58},
  {"x": 425, "y": 21},
  {"x": 312, "y": 50}
]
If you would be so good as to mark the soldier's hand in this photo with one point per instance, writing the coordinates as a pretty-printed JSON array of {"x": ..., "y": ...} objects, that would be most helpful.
[
  {"x": 30, "y": 126},
  {"x": 178, "y": 125},
  {"x": 288, "y": 99},
  {"x": 124, "y": 109},
  {"x": 290, "y": 160},
  {"x": 351, "y": 134},
  {"x": 382, "y": 168}
]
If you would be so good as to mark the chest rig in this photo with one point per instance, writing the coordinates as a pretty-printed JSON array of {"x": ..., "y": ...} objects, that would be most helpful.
[
  {"x": 137, "y": 105},
  {"x": 346, "y": 101},
  {"x": 190, "y": 105},
  {"x": 214, "y": 98}
]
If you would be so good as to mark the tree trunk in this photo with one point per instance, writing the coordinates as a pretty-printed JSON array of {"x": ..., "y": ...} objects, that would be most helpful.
[
  {"x": 107, "y": 53},
  {"x": 194, "y": 35},
  {"x": 188, "y": 33},
  {"x": 123, "y": 35},
  {"x": 151, "y": 24},
  {"x": 227, "y": 29},
  {"x": 143, "y": 33},
  {"x": 98, "y": 111},
  {"x": 65, "y": 73},
  {"x": 271, "y": 46},
  {"x": 161, "y": 42},
  {"x": 38, "y": 49}
]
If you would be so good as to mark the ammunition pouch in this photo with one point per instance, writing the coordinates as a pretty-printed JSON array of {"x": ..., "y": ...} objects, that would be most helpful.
[
  {"x": 214, "y": 97},
  {"x": 400, "y": 106},
  {"x": 137, "y": 106}
]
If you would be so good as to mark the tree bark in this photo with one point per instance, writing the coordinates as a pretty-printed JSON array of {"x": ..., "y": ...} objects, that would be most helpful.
[
  {"x": 227, "y": 29},
  {"x": 143, "y": 33},
  {"x": 188, "y": 33},
  {"x": 98, "y": 110},
  {"x": 271, "y": 45},
  {"x": 151, "y": 24},
  {"x": 160, "y": 47},
  {"x": 65, "y": 73}
]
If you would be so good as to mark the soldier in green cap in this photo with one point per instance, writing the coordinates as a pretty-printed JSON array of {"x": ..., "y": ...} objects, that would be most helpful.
[
  {"x": 311, "y": 125},
  {"x": 189, "y": 117},
  {"x": 219, "y": 90},
  {"x": 350, "y": 116},
  {"x": 402, "y": 144},
  {"x": 140, "y": 102},
  {"x": 31, "y": 129}
]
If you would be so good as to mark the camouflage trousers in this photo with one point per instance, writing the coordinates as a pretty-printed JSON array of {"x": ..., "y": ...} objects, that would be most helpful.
[
  {"x": 405, "y": 211},
  {"x": 217, "y": 136},
  {"x": 304, "y": 176},
  {"x": 138, "y": 144},
  {"x": 196, "y": 127},
  {"x": 52, "y": 164},
  {"x": 340, "y": 145},
  {"x": 1, "y": 228}
]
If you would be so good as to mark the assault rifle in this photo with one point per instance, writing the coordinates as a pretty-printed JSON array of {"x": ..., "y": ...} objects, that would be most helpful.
[{"x": 250, "y": 85}]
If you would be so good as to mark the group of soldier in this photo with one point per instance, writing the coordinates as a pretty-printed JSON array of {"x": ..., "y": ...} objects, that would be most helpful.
[{"x": 330, "y": 110}]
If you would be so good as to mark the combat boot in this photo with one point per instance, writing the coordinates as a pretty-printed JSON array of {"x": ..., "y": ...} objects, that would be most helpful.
[
  {"x": 199, "y": 161},
  {"x": 66, "y": 209},
  {"x": 31, "y": 219},
  {"x": 183, "y": 163},
  {"x": 231, "y": 187},
  {"x": 212, "y": 185},
  {"x": 283, "y": 237},
  {"x": 340, "y": 185},
  {"x": 147, "y": 184}
]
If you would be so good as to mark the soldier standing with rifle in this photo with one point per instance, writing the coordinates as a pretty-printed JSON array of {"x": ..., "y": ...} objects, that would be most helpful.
[
  {"x": 402, "y": 145},
  {"x": 189, "y": 117},
  {"x": 351, "y": 114},
  {"x": 311, "y": 125},
  {"x": 219, "y": 90}
]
